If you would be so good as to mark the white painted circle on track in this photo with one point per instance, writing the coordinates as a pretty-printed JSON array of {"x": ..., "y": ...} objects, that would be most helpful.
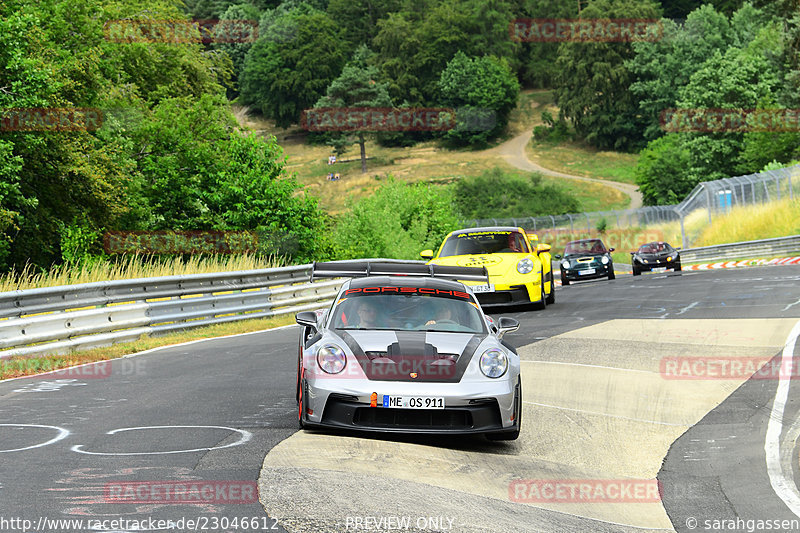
[
  {"x": 62, "y": 434},
  {"x": 245, "y": 436}
]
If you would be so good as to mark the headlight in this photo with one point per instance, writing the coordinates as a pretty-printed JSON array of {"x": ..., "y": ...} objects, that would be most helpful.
[
  {"x": 565, "y": 264},
  {"x": 669, "y": 258},
  {"x": 604, "y": 259},
  {"x": 494, "y": 363},
  {"x": 525, "y": 266},
  {"x": 331, "y": 359}
]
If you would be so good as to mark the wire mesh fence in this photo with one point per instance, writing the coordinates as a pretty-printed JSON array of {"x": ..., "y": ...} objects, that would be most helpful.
[{"x": 706, "y": 201}]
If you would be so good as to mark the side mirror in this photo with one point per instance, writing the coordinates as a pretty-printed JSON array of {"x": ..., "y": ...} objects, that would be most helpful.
[
  {"x": 557, "y": 256},
  {"x": 632, "y": 253},
  {"x": 307, "y": 318},
  {"x": 543, "y": 248},
  {"x": 506, "y": 324},
  {"x": 611, "y": 249},
  {"x": 426, "y": 254}
]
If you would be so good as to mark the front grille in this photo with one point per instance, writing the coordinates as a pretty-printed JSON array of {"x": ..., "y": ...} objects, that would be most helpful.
[
  {"x": 412, "y": 418},
  {"x": 483, "y": 415},
  {"x": 517, "y": 293}
]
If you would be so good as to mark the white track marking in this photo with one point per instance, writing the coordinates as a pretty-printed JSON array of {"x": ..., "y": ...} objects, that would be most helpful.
[
  {"x": 245, "y": 436},
  {"x": 62, "y": 434},
  {"x": 791, "y": 305},
  {"x": 606, "y": 414},
  {"x": 688, "y": 307},
  {"x": 589, "y": 366},
  {"x": 781, "y": 484},
  {"x": 49, "y": 386}
]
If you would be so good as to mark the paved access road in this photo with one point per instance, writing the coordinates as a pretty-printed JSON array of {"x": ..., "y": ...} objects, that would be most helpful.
[{"x": 600, "y": 405}]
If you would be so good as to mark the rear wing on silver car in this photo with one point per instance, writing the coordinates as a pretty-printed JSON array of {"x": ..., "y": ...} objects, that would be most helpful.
[{"x": 360, "y": 269}]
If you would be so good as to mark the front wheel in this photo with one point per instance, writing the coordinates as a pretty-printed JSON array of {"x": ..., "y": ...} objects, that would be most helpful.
[
  {"x": 542, "y": 303},
  {"x": 301, "y": 404},
  {"x": 552, "y": 298},
  {"x": 611, "y": 274},
  {"x": 677, "y": 268},
  {"x": 564, "y": 280},
  {"x": 636, "y": 271}
]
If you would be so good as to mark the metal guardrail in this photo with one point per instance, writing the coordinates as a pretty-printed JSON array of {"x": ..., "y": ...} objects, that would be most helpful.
[
  {"x": 59, "y": 319},
  {"x": 748, "y": 249}
]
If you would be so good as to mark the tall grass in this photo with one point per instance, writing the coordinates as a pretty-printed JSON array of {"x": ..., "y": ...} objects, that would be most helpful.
[
  {"x": 130, "y": 267},
  {"x": 747, "y": 223},
  {"x": 743, "y": 223}
]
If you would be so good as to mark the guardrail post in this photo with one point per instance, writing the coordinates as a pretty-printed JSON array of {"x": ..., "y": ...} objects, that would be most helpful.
[{"x": 684, "y": 240}]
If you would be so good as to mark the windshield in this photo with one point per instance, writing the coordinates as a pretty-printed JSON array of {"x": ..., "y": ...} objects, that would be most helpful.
[
  {"x": 484, "y": 242},
  {"x": 655, "y": 248},
  {"x": 593, "y": 246},
  {"x": 411, "y": 311}
]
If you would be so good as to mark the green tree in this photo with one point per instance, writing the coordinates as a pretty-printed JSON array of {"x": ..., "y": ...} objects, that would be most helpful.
[
  {"x": 499, "y": 194},
  {"x": 245, "y": 35},
  {"x": 282, "y": 78},
  {"x": 201, "y": 173},
  {"x": 357, "y": 86},
  {"x": 359, "y": 18},
  {"x": 396, "y": 222},
  {"x": 537, "y": 60},
  {"x": 478, "y": 88},
  {"x": 662, "y": 171},
  {"x": 661, "y": 68},
  {"x": 736, "y": 80},
  {"x": 415, "y": 44},
  {"x": 593, "y": 82}
]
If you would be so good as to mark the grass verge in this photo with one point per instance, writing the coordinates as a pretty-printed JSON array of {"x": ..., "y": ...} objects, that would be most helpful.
[
  {"x": 132, "y": 267},
  {"x": 27, "y": 366},
  {"x": 582, "y": 160}
]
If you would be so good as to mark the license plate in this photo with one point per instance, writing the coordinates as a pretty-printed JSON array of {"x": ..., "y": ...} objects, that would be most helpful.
[
  {"x": 587, "y": 271},
  {"x": 413, "y": 402},
  {"x": 482, "y": 288},
  {"x": 660, "y": 269}
]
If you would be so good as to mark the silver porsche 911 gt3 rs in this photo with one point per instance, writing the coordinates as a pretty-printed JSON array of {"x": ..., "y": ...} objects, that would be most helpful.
[{"x": 407, "y": 348}]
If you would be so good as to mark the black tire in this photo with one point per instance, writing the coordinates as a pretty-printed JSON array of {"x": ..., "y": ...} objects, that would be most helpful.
[
  {"x": 512, "y": 435},
  {"x": 677, "y": 267},
  {"x": 541, "y": 305},
  {"x": 637, "y": 272},
  {"x": 552, "y": 298},
  {"x": 564, "y": 280},
  {"x": 611, "y": 274}
]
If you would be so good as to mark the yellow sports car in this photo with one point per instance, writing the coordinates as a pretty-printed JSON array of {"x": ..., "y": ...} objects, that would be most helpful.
[{"x": 520, "y": 269}]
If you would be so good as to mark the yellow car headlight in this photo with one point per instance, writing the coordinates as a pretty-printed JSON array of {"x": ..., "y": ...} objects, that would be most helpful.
[{"x": 525, "y": 266}]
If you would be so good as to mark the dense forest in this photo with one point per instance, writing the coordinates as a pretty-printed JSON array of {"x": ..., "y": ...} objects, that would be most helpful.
[{"x": 169, "y": 153}]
